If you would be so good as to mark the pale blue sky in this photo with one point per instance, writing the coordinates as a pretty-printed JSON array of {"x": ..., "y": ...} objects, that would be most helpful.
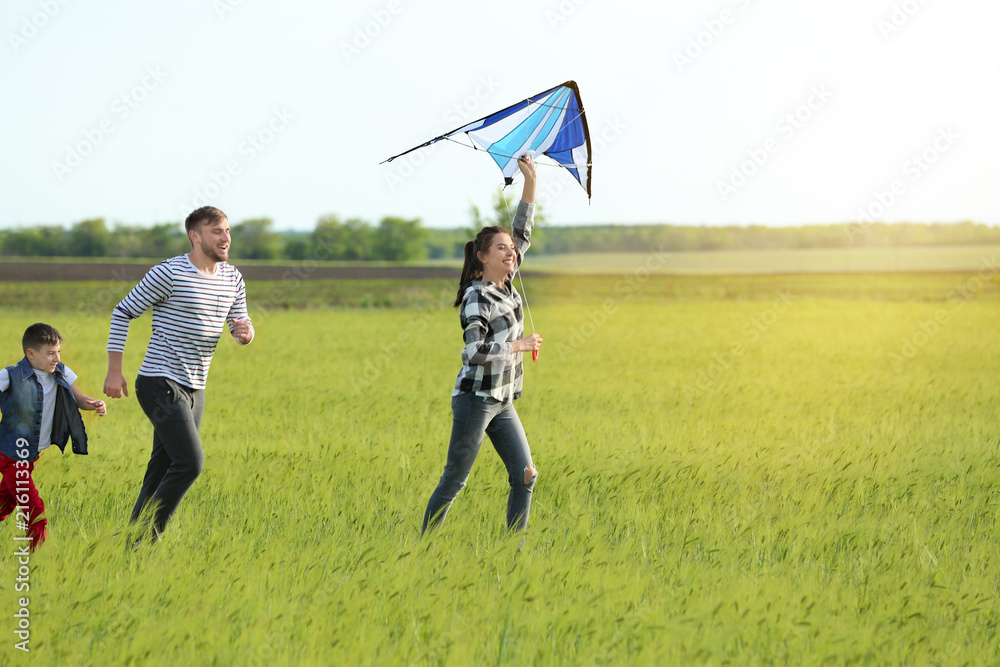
[{"x": 301, "y": 105}]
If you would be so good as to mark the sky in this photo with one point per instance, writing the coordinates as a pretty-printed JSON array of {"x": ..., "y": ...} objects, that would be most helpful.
[{"x": 773, "y": 112}]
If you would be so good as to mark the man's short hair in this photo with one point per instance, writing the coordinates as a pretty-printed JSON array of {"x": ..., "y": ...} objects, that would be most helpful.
[
  {"x": 39, "y": 334},
  {"x": 199, "y": 216}
]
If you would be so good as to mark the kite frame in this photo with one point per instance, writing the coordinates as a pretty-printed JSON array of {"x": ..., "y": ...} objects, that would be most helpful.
[{"x": 472, "y": 144}]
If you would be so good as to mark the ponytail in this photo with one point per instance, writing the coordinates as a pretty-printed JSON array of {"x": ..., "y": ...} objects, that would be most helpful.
[{"x": 473, "y": 268}]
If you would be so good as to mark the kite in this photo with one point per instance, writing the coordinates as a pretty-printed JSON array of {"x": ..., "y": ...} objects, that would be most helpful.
[{"x": 551, "y": 123}]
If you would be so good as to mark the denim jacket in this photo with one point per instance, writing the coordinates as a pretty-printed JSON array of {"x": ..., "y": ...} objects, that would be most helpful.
[{"x": 21, "y": 405}]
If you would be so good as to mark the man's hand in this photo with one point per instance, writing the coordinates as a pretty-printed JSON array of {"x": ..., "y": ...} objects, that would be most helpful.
[
  {"x": 241, "y": 330},
  {"x": 115, "y": 385}
]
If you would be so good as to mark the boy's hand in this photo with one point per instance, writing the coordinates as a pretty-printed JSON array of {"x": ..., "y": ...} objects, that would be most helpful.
[
  {"x": 115, "y": 385},
  {"x": 241, "y": 330},
  {"x": 97, "y": 406}
]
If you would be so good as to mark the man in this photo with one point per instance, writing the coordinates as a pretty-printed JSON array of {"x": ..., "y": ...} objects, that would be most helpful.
[{"x": 192, "y": 297}]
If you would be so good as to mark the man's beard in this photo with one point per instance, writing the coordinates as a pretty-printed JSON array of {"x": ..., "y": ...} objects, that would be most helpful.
[{"x": 212, "y": 252}]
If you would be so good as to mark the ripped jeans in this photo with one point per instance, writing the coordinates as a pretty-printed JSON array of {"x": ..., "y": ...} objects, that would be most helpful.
[{"x": 474, "y": 416}]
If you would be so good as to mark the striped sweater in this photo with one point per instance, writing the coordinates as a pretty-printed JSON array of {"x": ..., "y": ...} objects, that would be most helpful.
[{"x": 190, "y": 311}]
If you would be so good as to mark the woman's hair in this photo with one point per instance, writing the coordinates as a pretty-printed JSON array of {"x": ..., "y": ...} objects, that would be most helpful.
[{"x": 473, "y": 268}]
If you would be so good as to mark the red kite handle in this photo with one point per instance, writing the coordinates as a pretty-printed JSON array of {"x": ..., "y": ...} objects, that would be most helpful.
[{"x": 534, "y": 355}]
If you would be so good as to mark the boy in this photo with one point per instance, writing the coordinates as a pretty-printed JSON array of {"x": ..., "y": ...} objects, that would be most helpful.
[{"x": 40, "y": 405}]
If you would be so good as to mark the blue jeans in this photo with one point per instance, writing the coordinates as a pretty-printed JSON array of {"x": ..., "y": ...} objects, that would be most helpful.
[{"x": 474, "y": 416}]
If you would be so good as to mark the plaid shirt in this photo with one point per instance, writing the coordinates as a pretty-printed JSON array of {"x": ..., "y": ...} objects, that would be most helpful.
[{"x": 492, "y": 319}]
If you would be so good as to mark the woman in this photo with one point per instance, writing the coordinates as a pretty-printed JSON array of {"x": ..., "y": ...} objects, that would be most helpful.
[{"x": 490, "y": 379}]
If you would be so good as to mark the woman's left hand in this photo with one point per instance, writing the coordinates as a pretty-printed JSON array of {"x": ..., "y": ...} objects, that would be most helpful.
[{"x": 527, "y": 167}]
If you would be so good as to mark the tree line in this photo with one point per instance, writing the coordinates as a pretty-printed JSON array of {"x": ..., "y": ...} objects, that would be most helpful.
[
  {"x": 681, "y": 238},
  {"x": 400, "y": 239},
  {"x": 393, "y": 239}
]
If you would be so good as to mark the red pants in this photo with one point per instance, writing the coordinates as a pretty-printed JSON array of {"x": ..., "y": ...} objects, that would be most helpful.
[{"x": 24, "y": 494}]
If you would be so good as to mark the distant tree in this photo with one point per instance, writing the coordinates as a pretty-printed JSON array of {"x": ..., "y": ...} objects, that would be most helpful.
[
  {"x": 329, "y": 238},
  {"x": 498, "y": 216},
  {"x": 164, "y": 239},
  {"x": 350, "y": 240},
  {"x": 504, "y": 209},
  {"x": 399, "y": 240},
  {"x": 253, "y": 239},
  {"x": 446, "y": 243},
  {"x": 126, "y": 241},
  {"x": 38, "y": 241},
  {"x": 476, "y": 221},
  {"x": 395, "y": 238},
  {"x": 296, "y": 246},
  {"x": 359, "y": 239},
  {"x": 89, "y": 238}
]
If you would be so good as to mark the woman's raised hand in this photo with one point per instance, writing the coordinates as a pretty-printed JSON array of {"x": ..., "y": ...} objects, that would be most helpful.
[{"x": 527, "y": 167}]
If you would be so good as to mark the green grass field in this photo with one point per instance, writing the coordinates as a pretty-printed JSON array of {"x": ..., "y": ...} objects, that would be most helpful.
[{"x": 764, "y": 470}]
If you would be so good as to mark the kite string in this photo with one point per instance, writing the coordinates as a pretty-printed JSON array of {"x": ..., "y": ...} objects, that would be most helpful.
[
  {"x": 474, "y": 147},
  {"x": 524, "y": 294}
]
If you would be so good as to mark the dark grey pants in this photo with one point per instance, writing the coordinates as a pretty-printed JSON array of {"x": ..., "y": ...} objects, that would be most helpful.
[
  {"x": 177, "y": 459},
  {"x": 472, "y": 417}
]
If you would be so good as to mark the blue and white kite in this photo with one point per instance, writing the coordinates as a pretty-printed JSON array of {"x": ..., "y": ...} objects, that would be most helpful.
[{"x": 550, "y": 123}]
